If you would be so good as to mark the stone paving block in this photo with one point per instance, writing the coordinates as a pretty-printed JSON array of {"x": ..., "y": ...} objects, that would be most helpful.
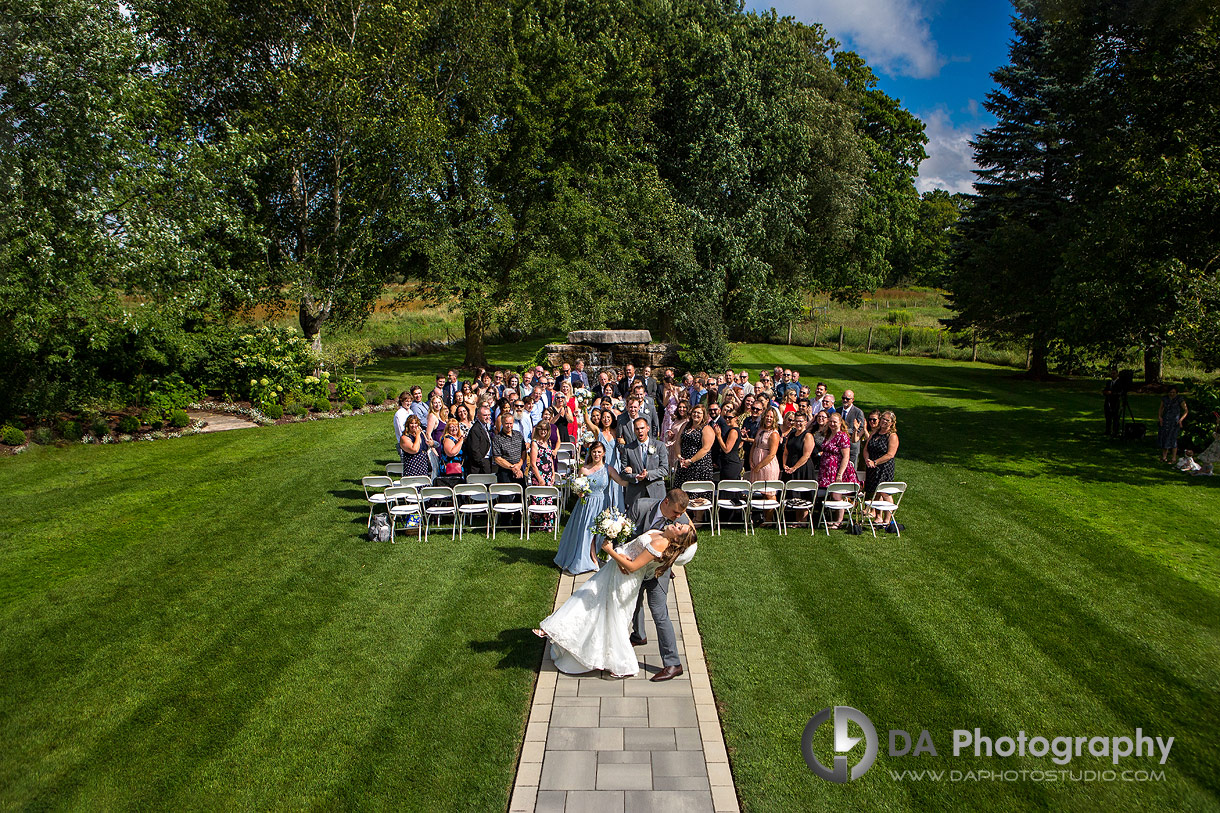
[
  {"x": 625, "y": 722},
  {"x": 678, "y": 763},
  {"x": 593, "y": 687},
  {"x": 706, "y": 713},
  {"x": 713, "y": 751},
  {"x": 624, "y": 776},
  {"x": 551, "y": 801},
  {"x": 666, "y": 688},
  {"x": 523, "y": 799},
  {"x": 584, "y": 739},
  {"x": 532, "y": 751},
  {"x": 596, "y": 801},
  {"x": 718, "y": 773},
  {"x": 528, "y": 773},
  {"x": 688, "y": 739},
  {"x": 680, "y": 783},
  {"x": 569, "y": 770},
  {"x": 576, "y": 717},
  {"x": 624, "y": 707},
  {"x": 668, "y": 801},
  {"x": 649, "y": 739},
  {"x": 566, "y": 688},
  {"x": 623, "y": 757},
  {"x": 724, "y": 798},
  {"x": 672, "y": 712},
  {"x": 576, "y": 700},
  {"x": 535, "y": 731}
]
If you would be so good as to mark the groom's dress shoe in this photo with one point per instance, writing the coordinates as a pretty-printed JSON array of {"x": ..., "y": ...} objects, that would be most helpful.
[
  {"x": 668, "y": 673},
  {"x": 639, "y": 641}
]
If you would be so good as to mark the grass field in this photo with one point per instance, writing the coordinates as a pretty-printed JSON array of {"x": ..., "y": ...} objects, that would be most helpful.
[{"x": 198, "y": 624}]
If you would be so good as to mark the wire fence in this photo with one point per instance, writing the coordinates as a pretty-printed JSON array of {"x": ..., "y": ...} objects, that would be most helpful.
[{"x": 902, "y": 340}]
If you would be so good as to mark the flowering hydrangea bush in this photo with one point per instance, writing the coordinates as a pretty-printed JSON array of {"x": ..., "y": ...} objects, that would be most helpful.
[{"x": 273, "y": 361}]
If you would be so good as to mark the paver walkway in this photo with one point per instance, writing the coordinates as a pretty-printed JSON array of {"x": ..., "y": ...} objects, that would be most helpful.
[
  {"x": 599, "y": 744},
  {"x": 220, "y": 421}
]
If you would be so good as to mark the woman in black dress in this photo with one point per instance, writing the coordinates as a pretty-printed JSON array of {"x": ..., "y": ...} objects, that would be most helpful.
[
  {"x": 694, "y": 459},
  {"x": 729, "y": 442},
  {"x": 799, "y": 461}
]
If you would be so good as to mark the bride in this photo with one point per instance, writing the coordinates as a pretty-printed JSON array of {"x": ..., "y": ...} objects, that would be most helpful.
[{"x": 592, "y": 629}]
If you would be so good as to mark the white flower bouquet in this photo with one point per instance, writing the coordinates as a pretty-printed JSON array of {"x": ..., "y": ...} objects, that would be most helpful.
[
  {"x": 582, "y": 396},
  {"x": 614, "y": 526},
  {"x": 580, "y": 486},
  {"x": 587, "y": 437}
]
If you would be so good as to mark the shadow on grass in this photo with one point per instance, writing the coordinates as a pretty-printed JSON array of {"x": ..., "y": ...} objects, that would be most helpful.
[
  {"x": 519, "y": 553},
  {"x": 520, "y": 649},
  {"x": 423, "y": 369}
]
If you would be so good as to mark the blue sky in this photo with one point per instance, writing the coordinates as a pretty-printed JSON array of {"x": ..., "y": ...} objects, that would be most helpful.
[{"x": 935, "y": 56}]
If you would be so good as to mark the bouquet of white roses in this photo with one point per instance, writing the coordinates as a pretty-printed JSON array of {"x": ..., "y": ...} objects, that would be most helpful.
[
  {"x": 582, "y": 396},
  {"x": 580, "y": 486},
  {"x": 587, "y": 437},
  {"x": 614, "y": 526}
]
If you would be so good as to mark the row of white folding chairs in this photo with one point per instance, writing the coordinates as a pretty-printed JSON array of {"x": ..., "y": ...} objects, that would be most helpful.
[
  {"x": 415, "y": 496},
  {"x": 775, "y": 495}
]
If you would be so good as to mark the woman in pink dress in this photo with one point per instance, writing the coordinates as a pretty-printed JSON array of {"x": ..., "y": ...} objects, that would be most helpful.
[
  {"x": 837, "y": 466},
  {"x": 764, "y": 459}
]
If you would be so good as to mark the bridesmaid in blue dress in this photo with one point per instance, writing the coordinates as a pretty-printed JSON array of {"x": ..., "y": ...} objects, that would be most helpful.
[
  {"x": 576, "y": 546},
  {"x": 603, "y": 427}
]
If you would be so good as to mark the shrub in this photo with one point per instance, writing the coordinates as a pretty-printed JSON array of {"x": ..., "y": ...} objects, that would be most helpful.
[
  {"x": 100, "y": 427},
  {"x": 42, "y": 435},
  {"x": 356, "y": 401},
  {"x": 12, "y": 436},
  {"x": 346, "y": 388},
  {"x": 315, "y": 386},
  {"x": 128, "y": 425},
  {"x": 179, "y": 419},
  {"x": 70, "y": 430},
  {"x": 372, "y": 394},
  {"x": 295, "y": 408},
  {"x": 156, "y": 424},
  {"x": 390, "y": 394},
  {"x": 273, "y": 411},
  {"x": 898, "y": 317},
  {"x": 321, "y": 404}
]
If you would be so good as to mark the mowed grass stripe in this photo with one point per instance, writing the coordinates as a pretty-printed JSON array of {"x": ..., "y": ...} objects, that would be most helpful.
[{"x": 1031, "y": 590}]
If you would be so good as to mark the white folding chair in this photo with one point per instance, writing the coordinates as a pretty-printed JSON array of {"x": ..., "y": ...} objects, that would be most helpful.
[
  {"x": 438, "y": 502},
  {"x": 767, "y": 495},
  {"x": 542, "y": 509},
  {"x": 401, "y": 502},
  {"x": 731, "y": 495},
  {"x": 839, "y": 497},
  {"x": 483, "y": 480},
  {"x": 893, "y": 490},
  {"x": 374, "y": 492},
  {"x": 563, "y": 471},
  {"x": 702, "y": 494},
  {"x": 801, "y": 495},
  {"x": 567, "y": 446},
  {"x": 476, "y": 502},
  {"x": 419, "y": 481},
  {"x": 393, "y": 470},
  {"x": 506, "y": 498}
]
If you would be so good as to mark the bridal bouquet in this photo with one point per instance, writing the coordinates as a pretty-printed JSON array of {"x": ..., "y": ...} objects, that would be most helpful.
[
  {"x": 614, "y": 525},
  {"x": 587, "y": 437},
  {"x": 582, "y": 396},
  {"x": 580, "y": 486}
]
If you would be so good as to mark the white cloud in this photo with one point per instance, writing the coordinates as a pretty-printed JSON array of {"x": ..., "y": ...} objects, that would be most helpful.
[
  {"x": 950, "y": 161},
  {"x": 893, "y": 35}
]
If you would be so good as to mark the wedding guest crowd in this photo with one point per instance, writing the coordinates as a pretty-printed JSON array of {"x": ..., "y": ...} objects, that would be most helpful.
[{"x": 696, "y": 426}]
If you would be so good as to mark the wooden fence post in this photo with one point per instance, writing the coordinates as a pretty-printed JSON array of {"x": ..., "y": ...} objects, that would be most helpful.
[
  {"x": 817, "y": 327},
  {"x": 789, "y": 331},
  {"x": 974, "y": 339},
  {"x": 900, "y": 340},
  {"x": 869, "y": 347},
  {"x": 840, "y": 338}
]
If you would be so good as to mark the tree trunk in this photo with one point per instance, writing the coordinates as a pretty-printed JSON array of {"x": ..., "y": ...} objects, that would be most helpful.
[
  {"x": 311, "y": 322},
  {"x": 476, "y": 351},
  {"x": 1153, "y": 356},
  {"x": 1037, "y": 358}
]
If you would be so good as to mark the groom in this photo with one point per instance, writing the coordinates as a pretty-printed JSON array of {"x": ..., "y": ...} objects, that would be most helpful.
[
  {"x": 644, "y": 464},
  {"x": 659, "y": 514}
]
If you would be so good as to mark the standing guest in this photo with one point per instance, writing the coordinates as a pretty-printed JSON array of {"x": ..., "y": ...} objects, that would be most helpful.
[
  {"x": 400, "y": 421},
  {"x": 728, "y": 441},
  {"x": 603, "y": 425},
  {"x": 578, "y": 546},
  {"x": 836, "y": 467},
  {"x": 462, "y": 413},
  {"x": 626, "y": 384},
  {"x": 413, "y": 446},
  {"x": 645, "y": 466},
  {"x": 450, "y": 388},
  {"x": 542, "y": 473},
  {"x": 695, "y": 391},
  {"x": 579, "y": 377},
  {"x": 469, "y": 397},
  {"x": 715, "y": 419},
  {"x": 497, "y": 383},
  {"x": 751, "y": 410},
  {"x": 522, "y": 411},
  {"x": 648, "y": 407},
  {"x": 694, "y": 453},
  {"x": 798, "y": 451},
  {"x": 853, "y": 422},
  {"x": 565, "y": 410},
  {"x": 478, "y": 443},
  {"x": 652, "y": 387},
  {"x": 879, "y": 454},
  {"x": 626, "y": 421},
  {"x": 743, "y": 379},
  {"x": 452, "y": 471},
  {"x": 419, "y": 407},
  {"x": 673, "y": 438},
  {"x": 1169, "y": 417},
  {"x": 508, "y": 452},
  {"x": 669, "y": 407},
  {"x": 564, "y": 374},
  {"x": 438, "y": 413},
  {"x": 789, "y": 403},
  {"x": 764, "y": 464}
]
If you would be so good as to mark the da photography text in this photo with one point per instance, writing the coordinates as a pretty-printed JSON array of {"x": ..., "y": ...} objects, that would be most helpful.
[{"x": 1057, "y": 749}]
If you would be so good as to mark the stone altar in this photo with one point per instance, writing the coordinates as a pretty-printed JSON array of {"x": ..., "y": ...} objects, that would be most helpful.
[{"x": 602, "y": 349}]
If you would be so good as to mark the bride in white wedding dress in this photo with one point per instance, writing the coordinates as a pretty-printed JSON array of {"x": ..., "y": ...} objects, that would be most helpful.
[{"x": 592, "y": 629}]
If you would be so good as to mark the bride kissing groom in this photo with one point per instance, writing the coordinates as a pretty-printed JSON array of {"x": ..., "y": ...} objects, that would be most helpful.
[{"x": 597, "y": 627}]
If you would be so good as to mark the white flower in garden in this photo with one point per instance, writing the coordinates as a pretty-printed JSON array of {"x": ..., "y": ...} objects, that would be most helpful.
[
  {"x": 253, "y": 382},
  {"x": 264, "y": 382}
]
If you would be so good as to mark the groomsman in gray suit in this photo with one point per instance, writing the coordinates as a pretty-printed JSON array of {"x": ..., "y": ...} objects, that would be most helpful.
[
  {"x": 644, "y": 464},
  {"x": 658, "y": 514}
]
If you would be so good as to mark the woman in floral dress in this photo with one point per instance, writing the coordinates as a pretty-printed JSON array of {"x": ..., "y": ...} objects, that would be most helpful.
[
  {"x": 836, "y": 464},
  {"x": 542, "y": 473}
]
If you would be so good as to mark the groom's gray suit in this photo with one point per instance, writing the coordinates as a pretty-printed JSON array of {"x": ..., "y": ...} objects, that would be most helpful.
[
  {"x": 657, "y": 589},
  {"x": 651, "y": 457}
]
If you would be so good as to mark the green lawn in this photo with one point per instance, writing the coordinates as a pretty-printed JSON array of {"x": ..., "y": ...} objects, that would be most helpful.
[
  {"x": 1046, "y": 581},
  {"x": 197, "y": 623}
]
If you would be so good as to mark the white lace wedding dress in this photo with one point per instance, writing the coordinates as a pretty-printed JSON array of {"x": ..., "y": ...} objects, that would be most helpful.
[{"x": 592, "y": 629}]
